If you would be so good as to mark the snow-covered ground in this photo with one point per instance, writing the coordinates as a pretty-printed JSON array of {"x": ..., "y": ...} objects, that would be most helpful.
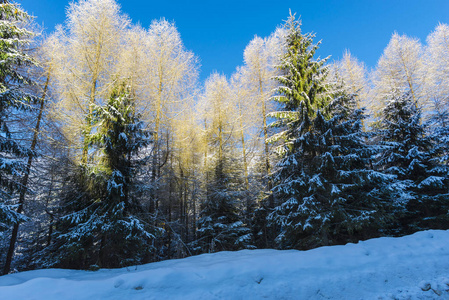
[{"x": 411, "y": 267}]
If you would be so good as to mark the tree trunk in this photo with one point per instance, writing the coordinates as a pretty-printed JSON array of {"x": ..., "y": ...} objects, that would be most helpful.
[
  {"x": 93, "y": 90},
  {"x": 52, "y": 217},
  {"x": 242, "y": 136},
  {"x": 266, "y": 152},
  {"x": 155, "y": 168}
]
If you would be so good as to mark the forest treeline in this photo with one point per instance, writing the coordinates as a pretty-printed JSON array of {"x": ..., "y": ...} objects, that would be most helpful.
[{"x": 112, "y": 153}]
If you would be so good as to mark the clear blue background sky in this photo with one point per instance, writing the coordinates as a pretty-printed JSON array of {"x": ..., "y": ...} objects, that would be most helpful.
[{"x": 218, "y": 31}]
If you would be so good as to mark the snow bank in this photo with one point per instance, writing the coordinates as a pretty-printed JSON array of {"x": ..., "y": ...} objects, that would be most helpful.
[{"x": 411, "y": 267}]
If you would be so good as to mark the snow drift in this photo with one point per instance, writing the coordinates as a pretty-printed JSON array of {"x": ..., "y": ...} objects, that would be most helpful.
[{"x": 410, "y": 267}]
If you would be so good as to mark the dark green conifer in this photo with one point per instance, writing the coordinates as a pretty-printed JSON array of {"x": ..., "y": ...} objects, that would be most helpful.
[{"x": 326, "y": 191}]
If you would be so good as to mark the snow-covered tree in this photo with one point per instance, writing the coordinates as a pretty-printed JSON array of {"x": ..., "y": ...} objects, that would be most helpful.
[
  {"x": 400, "y": 69},
  {"x": 14, "y": 61},
  {"x": 322, "y": 179},
  {"x": 351, "y": 75},
  {"x": 103, "y": 224},
  {"x": 436, "y": 59},
  {"x": 261, "y": 57},
  {"x": 302, "y": 87},
  {"x": 437, "y": 86},
  {"x": 220, "y": 226},
  {"x": 420, "y": 188},
  {"x": 85, "y": 66},
  {"x": 253, "y": 85},
  {"x": 13, "y": 38},
  {"x": 170, "y": 77}
]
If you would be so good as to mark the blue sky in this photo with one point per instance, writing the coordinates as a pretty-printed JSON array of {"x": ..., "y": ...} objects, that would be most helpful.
[{"x": 218, "y": 31}]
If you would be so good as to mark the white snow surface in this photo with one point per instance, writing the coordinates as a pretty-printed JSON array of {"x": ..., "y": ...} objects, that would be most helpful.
[{"x": 410, "y": 267}]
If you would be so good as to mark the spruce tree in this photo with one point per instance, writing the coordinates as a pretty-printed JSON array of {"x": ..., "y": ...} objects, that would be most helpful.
[
  {"x": 220, "y": 227},
  {"x": 326, "y": 192},
  {"x": 13, "y": 61},
  {"x": 420, "y": 190},
  {"x": 439, "y": 131},
  {"x": 104, "y": 225}
]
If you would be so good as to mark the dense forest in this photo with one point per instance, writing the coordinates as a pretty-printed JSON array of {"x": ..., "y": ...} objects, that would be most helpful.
[{"x": 112, "y": 153}]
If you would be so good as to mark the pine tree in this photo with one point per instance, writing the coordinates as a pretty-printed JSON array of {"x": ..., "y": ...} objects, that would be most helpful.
[
  {"x": 420, "y": 190},
  {"x": 325, "y": 190},
  {"x": 104, "y": 225}
]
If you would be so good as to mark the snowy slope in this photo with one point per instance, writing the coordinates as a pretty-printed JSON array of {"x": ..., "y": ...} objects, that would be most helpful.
[{"x": 384, "y": 268}]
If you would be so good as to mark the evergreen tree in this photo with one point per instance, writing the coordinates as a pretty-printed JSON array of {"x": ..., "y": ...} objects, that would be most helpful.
[
  {"x": 326, "y": 192},
  {"x": 13, "y": 38},
  {"x": 440, "y": 135},
  {"x": 420, "y": 190},
  {"x": 104, "y": 225},
  {"x": 220, "y": 227}
]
